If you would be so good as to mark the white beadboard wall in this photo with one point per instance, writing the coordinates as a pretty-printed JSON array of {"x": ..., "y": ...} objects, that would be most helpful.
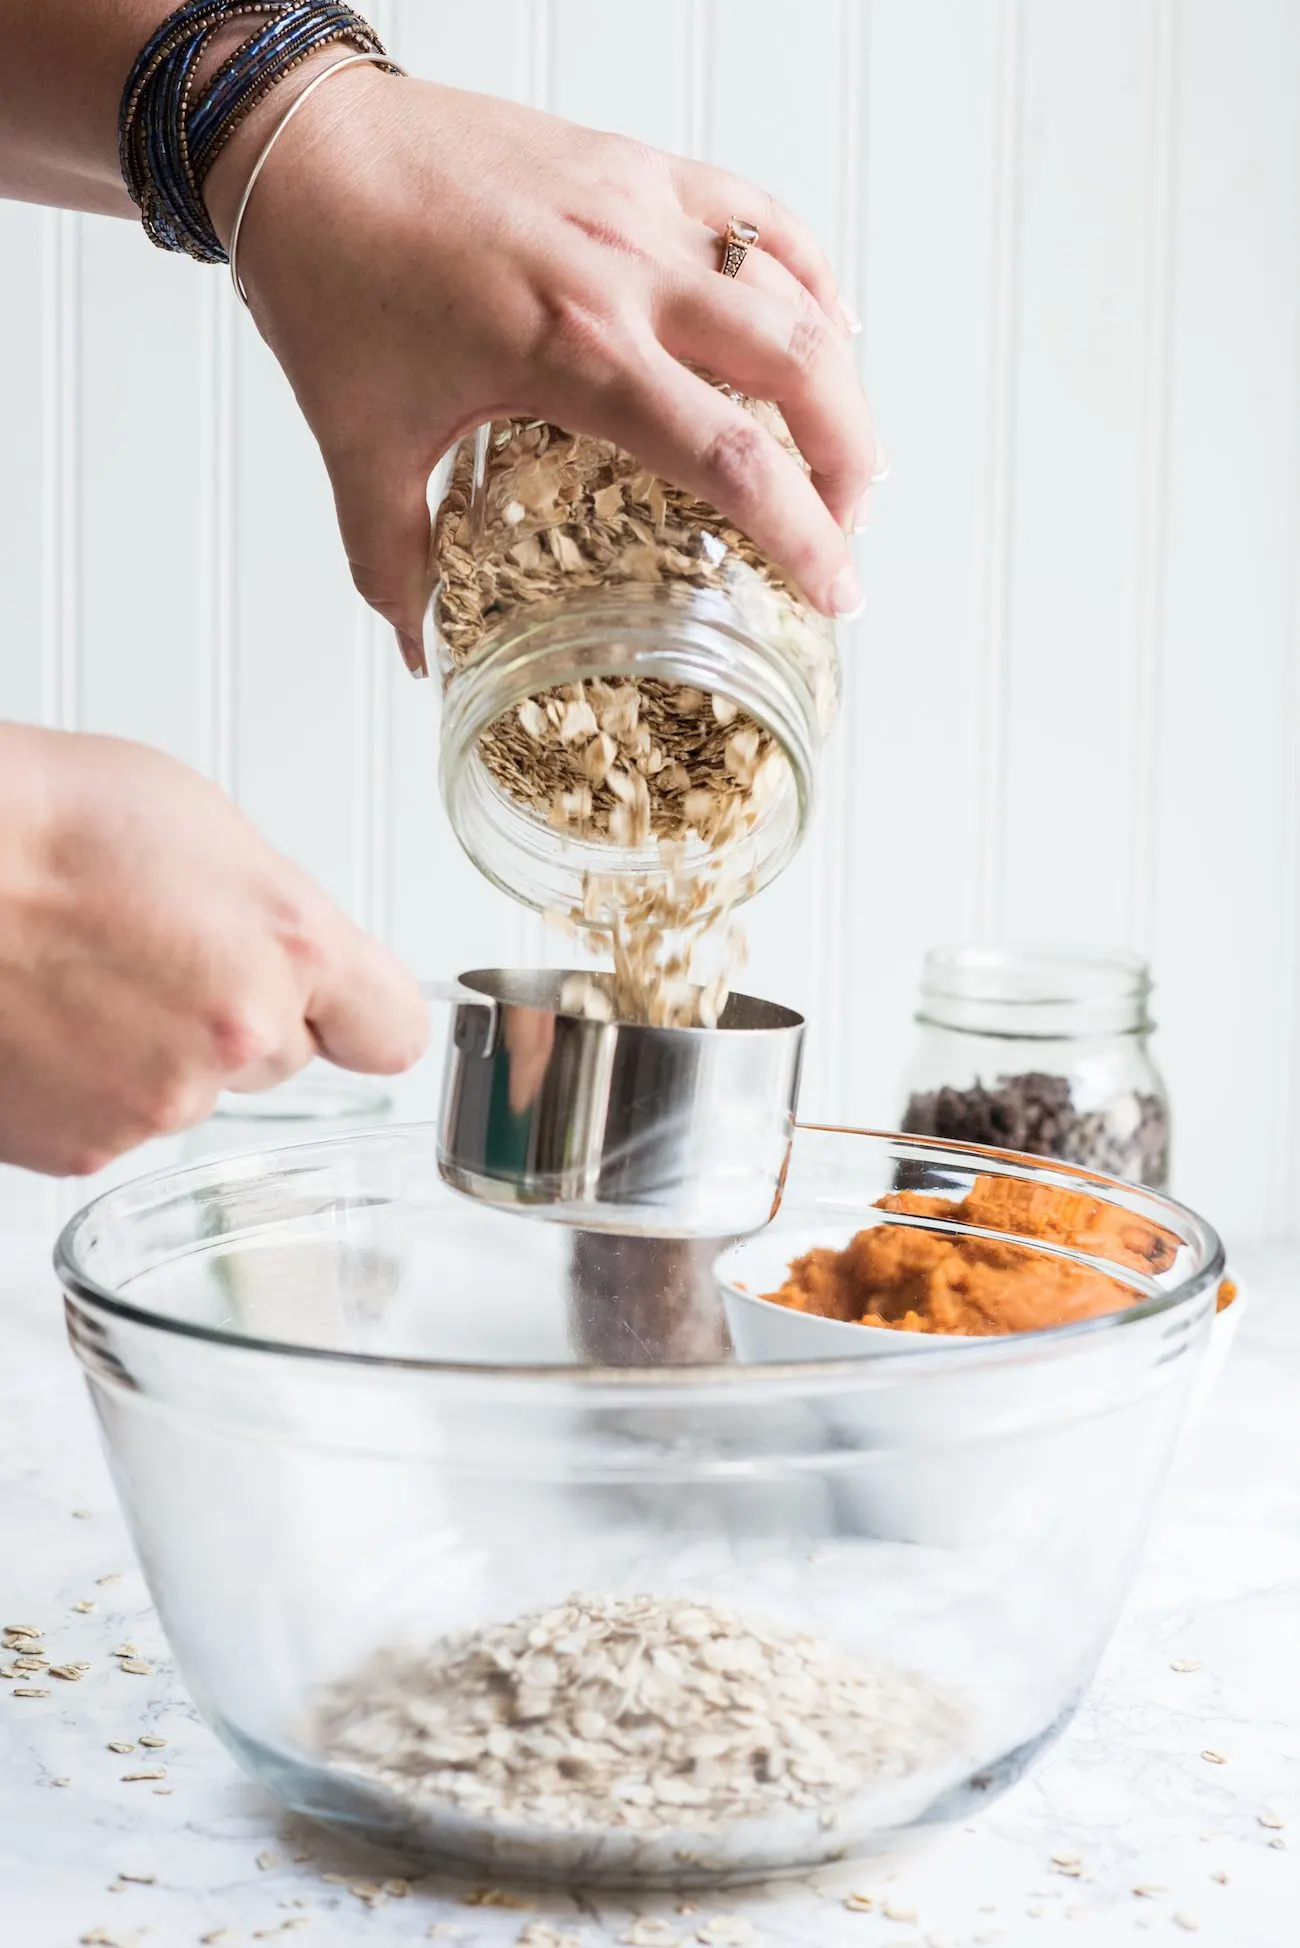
[{"x": 1073, "y": 230}]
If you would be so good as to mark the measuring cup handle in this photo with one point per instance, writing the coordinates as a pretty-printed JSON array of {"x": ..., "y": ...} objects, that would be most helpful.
[{"x": 477, "y": 1015}]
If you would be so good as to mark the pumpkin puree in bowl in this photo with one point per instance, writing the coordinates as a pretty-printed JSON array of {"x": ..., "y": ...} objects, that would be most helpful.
[{"x": 914, "y": 1280}]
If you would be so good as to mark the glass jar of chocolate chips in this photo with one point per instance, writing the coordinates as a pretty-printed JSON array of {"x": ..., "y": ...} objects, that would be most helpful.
[{"x": 1041, "y": 1050}]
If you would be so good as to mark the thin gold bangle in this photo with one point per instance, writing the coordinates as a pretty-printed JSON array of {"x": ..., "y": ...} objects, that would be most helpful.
[{"x": 335, "y": 67}]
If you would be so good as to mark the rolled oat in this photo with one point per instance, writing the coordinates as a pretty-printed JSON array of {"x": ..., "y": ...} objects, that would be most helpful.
[
  {"x": 670, "y": 774},
  {"x": 643, "y": 1713}
]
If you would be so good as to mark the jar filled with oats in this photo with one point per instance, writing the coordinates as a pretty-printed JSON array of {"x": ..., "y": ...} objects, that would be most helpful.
[{"x": 635, "y": 697}]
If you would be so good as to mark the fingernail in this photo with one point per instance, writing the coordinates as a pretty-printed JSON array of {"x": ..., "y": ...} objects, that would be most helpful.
[
  {"x": 881, "y": 469},
  {"x": 412, "y": 654},
  {"x": 849, "y": 315},
  {"x": 861, "y": 512},
  {"x": 847, "y": 599}
]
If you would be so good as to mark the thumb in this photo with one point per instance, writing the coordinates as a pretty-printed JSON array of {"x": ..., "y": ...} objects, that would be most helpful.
[{"x": 384, "y": 521}]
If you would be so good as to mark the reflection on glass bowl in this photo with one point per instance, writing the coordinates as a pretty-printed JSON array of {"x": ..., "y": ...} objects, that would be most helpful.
[{"x": 814, "y": 1604}]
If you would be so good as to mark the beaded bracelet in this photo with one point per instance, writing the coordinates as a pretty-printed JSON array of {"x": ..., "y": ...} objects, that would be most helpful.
[{"x": 167, "y": 143}]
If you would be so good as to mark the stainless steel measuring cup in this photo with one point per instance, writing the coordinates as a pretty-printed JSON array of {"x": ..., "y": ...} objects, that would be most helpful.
[{"x": 611, "y": 1126}]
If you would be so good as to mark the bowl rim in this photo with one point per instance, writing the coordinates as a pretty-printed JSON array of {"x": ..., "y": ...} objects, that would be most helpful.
[{"x": 999, "y": 1350}]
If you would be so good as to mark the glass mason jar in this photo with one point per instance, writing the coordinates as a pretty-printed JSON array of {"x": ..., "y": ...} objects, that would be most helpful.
[
  {"x": 630, "y": 686},
  {"x": 1044, "y": 1051}
]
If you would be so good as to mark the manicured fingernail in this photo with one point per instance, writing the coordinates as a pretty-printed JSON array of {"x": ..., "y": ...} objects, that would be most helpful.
[
  {"x": 412, "y": 654},
  {"x": 847, "y": 599},
  {"x": 849, "y": 315},
  {"x": 861, "y": 513},
  {"x": 881, "y": 469}
]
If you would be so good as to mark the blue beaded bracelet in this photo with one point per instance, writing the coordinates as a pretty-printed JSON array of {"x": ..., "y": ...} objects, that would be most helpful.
[{"x": 167, "y": 143}]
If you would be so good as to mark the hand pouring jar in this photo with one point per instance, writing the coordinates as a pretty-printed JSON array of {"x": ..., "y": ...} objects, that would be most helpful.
[{"x": 602, "y": 636}]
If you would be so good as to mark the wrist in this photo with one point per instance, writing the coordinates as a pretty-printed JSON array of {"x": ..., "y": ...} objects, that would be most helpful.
[{"x": 228, "y": 178}]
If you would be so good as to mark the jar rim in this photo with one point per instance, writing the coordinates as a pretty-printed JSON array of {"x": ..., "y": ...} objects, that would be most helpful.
[
  {"x": 636, "y": 631},
  {"x": 1034, "y": 992}
]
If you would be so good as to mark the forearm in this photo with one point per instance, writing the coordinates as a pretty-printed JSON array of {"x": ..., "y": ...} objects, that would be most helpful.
[
  {"x": 62, "y": 72},
  {"x": 61, "y": 79}
]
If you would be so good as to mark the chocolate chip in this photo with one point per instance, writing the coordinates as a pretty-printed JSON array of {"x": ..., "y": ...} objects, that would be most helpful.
[{"x": 1036, "y": 1114}]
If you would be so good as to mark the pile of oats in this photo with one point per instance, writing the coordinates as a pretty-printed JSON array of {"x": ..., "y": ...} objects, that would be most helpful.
[
  {"x": 645, "y": 1713},
  {"x": 675, "y": 775}
]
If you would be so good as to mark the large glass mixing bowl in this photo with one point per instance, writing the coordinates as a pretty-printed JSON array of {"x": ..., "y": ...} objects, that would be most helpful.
[{"x": 433, "y": 1577}]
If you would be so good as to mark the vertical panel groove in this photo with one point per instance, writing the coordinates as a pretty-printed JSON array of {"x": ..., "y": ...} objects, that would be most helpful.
[
  {"x": 1282, "y": 1194},
  {"x": 541, "y": 53},
  {"x": 994, "y": 517},
  {"x": 699, "y": 79},
  {"x": 372, "y": 768},
  {"x": 539, "y": 50},
  {"x": 62, "y": 472},
  {"x": 1154, "y": 464},
  {"x": 841, "y": 812},
  {"x": 216, "y": 423}
]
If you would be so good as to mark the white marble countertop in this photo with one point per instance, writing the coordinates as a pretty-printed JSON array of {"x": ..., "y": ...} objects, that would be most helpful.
[{"x": 1127, "y": 1791}]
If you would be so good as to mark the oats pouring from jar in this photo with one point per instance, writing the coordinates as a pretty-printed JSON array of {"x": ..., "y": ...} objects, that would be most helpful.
[{"x": 671, "y": 777}]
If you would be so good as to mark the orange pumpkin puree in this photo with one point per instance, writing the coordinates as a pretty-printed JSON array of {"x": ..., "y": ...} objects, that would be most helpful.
[{"x": 928, "y": 1281}]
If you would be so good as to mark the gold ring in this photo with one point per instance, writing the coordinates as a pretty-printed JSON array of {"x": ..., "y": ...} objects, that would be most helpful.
[{"x": 737, "y": 244}]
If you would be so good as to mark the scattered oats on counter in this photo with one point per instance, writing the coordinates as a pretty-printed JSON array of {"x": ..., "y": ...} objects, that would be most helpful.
[
  {"x": 540, "y": 1934},
  {"x": 640, "y": 1713},
  {"x": 726, "y": 1931}
]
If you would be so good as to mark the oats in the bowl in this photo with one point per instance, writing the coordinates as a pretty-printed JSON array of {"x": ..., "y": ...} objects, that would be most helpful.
[{"x": 645, "y": 1713}]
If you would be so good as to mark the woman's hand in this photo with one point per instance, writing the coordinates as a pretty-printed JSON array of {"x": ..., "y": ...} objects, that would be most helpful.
[
  {"x": 421, "y": 259},
  {"x": 154, "y": 951}
]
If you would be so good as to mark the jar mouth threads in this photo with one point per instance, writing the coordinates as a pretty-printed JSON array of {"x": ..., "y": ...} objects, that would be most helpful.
[
  {"x": 1036, "y": 993},
  {"x": 1041, "y": 1050},
  {"x": 683, "y": 637},
  {"x": 635, "y": 698}
]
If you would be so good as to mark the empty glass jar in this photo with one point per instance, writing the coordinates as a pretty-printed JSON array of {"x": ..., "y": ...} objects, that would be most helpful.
[
  {"x": 630, "y": 686},
  {"x": 1040, "y": 1050}
]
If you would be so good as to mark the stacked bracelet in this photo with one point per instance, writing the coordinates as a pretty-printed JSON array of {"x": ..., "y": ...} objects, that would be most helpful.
[{"x": 167, "y": 141}]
